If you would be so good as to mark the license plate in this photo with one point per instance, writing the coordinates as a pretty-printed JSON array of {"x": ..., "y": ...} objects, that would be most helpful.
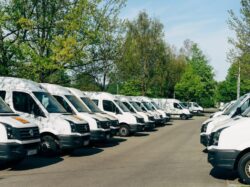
[
  {"x": 31, "y": 152},
  {"x": 85, "y": 143}
]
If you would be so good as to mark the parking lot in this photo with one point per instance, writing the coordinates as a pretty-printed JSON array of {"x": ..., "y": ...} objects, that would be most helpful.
[{"x": 170, "y": 156}]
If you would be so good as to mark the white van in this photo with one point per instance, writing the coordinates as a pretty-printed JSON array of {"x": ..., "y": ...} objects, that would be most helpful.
[
  {"x": 195, "y": 108},
  {"x": 222, "y": 110},
  {"x": 147, "y": 102},
  {"x": 134, "y": 108},
  {"x": 18, "y": 137},
  {"x": 229, "y": 146},
  {"x": 59, "y": 130},
  {"x": 157, "y": 117},
  {"x": 236, "y": 109},
  {"x": 99, "y": 126},
  {"x": 174, "y": 108},
  {"x": 129, "y": 123},
  {"x": 88, "y": 103}
]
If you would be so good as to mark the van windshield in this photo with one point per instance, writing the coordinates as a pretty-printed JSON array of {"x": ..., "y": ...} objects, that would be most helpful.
[
  {"x": 233, "y": 107},
  {"x": 77, "y": 104},
  {"x": 4, "y": 108},
  {"x": 91, "y": 105},
  {"x": 156, "y": 106},
  {"x": 147, "y": 105},
  {"x": 136, "y": 106},
  {"x": 122, "y": 106},
  {"x": 49, "y": 102}
]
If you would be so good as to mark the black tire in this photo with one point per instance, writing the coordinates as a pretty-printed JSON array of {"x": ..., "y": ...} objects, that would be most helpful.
[
  {"x": 244, "y": 168},
  {"x": 184, "y": 117},
  {"x": 49, "y": 146},
  {"x": 124, "y": 131}
]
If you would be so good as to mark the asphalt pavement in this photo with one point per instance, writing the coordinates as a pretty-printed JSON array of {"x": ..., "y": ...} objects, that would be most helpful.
[{"x": 170, "y": 156}]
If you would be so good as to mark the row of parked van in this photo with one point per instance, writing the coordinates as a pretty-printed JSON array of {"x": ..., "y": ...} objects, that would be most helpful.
[
  {"x": 226, "y": 136},
  {"x": 50, "y": 118}
]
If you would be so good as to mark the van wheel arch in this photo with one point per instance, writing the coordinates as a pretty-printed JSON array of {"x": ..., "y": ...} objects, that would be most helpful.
[
  {"x": 242, "y": 153},
  {"x": 124, "y": 125},
  {"x": 52, "y": 148}
]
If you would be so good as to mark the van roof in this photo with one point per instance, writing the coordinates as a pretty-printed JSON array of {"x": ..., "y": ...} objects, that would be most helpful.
[
  {"x": 102, "y": 95},
  {"x": 77, "y": 92},
  {"x": 55, "y": 89},
  {"x": 12, "y": 83}
]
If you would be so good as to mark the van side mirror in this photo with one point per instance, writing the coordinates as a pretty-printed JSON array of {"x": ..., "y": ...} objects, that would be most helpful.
[{"x": 37, "y": 112}]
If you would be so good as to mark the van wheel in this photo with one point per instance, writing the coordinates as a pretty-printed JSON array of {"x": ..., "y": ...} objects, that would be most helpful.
[
  {"x": 244, "y": 168},
  {"x": 184, "y": 117},
  {"x": 49, "y": 146},
  {"x": 124, "y": 130}
]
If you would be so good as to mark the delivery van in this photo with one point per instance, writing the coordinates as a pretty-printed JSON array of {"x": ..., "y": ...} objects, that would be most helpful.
[
  {"x": 236, "y": 109},
  {"x": 134, "y": 108},
  {"x": 229, "y": 146},
  {"x": 59, "y": 130},
  {"x": 19, "y": 137},
  {"x": 99, "y": 126},
  {"x": 129, "y": 123},
  {"x": 88, "y": 103}
]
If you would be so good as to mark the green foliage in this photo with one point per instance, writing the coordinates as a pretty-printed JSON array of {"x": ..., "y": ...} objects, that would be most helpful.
[{"x": 197, "y": 83}]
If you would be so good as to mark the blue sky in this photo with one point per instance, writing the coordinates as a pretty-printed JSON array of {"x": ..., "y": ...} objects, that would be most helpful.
[{"x": 202, "y": 21}]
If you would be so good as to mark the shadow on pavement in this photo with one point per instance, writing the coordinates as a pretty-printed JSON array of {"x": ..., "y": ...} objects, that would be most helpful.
[
  {"x": 224, "y": 174},
  {"x": 35, "y": 162},
  {"x": 85, "y": 151},
  {"x": 110, "y": 143},
  {"x": 140, "y": 134}
]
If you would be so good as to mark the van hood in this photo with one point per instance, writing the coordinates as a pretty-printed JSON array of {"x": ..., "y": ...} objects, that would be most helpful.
[
  {"x": 17, "y": 121},
  {"x": 73, "y": 118},
  {"x": 104, "y": 115},
  {"x": 217, "y": 121},
  {"x": 233, "y": 121}
]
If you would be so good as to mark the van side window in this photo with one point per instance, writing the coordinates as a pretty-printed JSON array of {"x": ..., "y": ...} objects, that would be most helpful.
[
  {"x": 95, "y": 101},
  {"x": 63, "y": 103},
  {"x": 3, "y": 94},
  {"x": 176, "y": 105},
  {"x": 109, "y": 106},
  {"x": 23, "y": 102}
]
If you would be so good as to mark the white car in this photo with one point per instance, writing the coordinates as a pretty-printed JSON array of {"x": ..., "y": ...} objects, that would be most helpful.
[
  {"x": 229, "y": 146},
  {"x": 19, "y": 137},
  {"x": 59, "y": 130}
]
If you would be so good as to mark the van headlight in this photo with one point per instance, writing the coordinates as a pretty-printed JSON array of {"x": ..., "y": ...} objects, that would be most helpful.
[
  {"x": 73, "y": 126},
  {"x": 10, "y": 131},
  {"x": 215, "y": 137}
]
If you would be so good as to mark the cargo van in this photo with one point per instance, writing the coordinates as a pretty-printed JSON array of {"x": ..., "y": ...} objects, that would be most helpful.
[
  {"x": 88, "y": 103},
  {"x": 59, "y": 130},
  {"x": 19, "y": 137},
  {"x": 236, "y": 109},
  {"x": 222, "y": 110},
  {"x": 99, "y": 126},
  {"x": 174, "y": 108},
  {"x": 129, "y": 123},
  {"x": 157, "y": 117},
  {"x": 229, "y": 146},
  {"x": 195, "y": 108},
  {"x": 134, "y": 108},
  {"x": 147, "y": 102}
]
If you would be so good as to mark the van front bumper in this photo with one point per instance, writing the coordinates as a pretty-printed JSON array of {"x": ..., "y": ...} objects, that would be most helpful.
[
  {"x": 71, "y": 141},
  {"x": 114, "y": 130},
  {"x": 204, "y": 139},
  {"x": 149, "y": 125},
  {"x": 16, "y": 151},
  {"x": 222, "y": 158},
  {"x": 137, "y": 128},
  {"x": 100, "y": 135}
]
